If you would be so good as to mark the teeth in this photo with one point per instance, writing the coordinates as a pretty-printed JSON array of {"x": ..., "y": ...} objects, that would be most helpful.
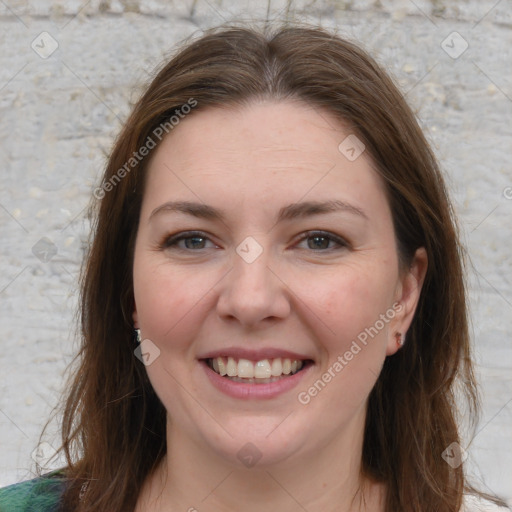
[
  {"x": 262, "y": 369},
  {"x": 232, "y": 367},
  {"x": 277, "y": 368},
  {"x": 222, "y": 366},
  {"x": 246, "y": 369}
]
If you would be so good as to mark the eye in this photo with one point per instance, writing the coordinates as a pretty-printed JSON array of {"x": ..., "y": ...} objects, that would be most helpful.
[
  {"x": 189, "y": 240},
  {"x": 321, "y": 241}
]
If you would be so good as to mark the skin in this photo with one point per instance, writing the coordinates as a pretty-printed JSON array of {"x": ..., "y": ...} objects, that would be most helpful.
[{"x": 294, "y": 296}]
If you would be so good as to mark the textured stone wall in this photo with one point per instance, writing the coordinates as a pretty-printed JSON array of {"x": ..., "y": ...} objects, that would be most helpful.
[{"x": 69, "y": 71}]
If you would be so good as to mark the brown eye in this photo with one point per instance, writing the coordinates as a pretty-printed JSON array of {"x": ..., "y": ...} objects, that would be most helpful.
[
  {"x": 322, "y": 241},
  {"x": 318, "y": 242},
  {"x": 194, "y": 242}
]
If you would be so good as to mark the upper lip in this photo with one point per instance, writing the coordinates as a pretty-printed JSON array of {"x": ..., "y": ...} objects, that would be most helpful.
[{"x": 254, "y": 354}]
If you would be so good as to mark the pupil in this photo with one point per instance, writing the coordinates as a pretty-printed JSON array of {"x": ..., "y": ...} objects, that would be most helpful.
[
  {"x": 319, "y": 242},
  {"x": 194, "y": 243}
]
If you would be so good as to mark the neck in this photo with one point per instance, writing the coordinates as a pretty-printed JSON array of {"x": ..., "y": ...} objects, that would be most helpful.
[{"x": 192, "y": 478}]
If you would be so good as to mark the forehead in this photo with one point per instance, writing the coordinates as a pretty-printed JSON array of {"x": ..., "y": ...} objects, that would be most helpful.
[{"x": 277, "y": 151}]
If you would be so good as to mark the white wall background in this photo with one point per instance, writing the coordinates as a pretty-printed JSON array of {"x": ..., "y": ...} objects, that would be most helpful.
[{"x": 60, "y": 112}]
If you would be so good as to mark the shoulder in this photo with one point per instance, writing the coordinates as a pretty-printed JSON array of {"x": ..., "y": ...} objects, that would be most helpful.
[
  {"x": 475, "y": 504},
  {"x": 38, "y": 495}
]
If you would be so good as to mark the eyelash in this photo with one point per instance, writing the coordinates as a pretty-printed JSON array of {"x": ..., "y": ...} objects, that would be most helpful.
[{"x": 171, "y": 242}]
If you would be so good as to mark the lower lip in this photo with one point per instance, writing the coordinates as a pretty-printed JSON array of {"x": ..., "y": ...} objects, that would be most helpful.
[{"x": 245, "y": 391}]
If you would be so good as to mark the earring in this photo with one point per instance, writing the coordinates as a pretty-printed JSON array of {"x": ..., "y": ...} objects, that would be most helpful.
[
  {"x": 137, "y": 336},
  {"x": 400, "y": 338}
]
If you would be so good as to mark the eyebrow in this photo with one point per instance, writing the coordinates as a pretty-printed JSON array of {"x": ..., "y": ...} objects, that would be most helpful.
[{"x": 290, "y": 212}]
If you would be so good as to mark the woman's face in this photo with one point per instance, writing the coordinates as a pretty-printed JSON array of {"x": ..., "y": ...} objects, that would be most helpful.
[{"x": 266, "y": 245}]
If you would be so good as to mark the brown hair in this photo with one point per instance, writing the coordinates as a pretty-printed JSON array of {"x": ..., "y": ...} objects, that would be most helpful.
[{"x": 114, "y": 425}]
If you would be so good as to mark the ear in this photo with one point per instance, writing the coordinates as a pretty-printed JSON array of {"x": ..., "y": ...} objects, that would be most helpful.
[{"x": 407, "y": 295}]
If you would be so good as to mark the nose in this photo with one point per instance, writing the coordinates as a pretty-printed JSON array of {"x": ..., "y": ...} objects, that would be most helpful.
[{"x": 252, "y": 294}]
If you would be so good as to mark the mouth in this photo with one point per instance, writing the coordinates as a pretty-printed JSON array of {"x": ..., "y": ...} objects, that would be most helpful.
[{"x": 264, "y": 371}]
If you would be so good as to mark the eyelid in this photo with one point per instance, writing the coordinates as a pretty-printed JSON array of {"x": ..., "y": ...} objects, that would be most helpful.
[
  {"x": 172, "y": 240},
  {"x": 326, "y": 234}
]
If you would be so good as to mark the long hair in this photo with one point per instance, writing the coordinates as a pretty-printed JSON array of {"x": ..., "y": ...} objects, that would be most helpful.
[{"x": 114, "y": 425}]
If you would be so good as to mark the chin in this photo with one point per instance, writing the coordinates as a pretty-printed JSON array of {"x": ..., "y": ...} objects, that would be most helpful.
[{"x": 264, "y": 447}]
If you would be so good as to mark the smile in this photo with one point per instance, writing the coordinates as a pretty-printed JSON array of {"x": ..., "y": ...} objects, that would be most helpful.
[
  {"x": 255, "y": 372},
  {"x": 257, "y": 378}
]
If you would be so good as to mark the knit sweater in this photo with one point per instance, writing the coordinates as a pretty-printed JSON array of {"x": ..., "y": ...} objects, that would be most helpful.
[{"x": 38, "y": 495}]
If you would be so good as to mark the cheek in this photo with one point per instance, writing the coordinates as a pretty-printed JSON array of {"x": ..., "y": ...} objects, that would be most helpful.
[
  {"x": 349, "y": 300},
  {"x": 355, "y": 350},
  {"x": 168, "y": 300}
]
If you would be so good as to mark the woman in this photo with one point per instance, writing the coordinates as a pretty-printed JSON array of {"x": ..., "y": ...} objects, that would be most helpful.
[{"x": 276, "y": 236}]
